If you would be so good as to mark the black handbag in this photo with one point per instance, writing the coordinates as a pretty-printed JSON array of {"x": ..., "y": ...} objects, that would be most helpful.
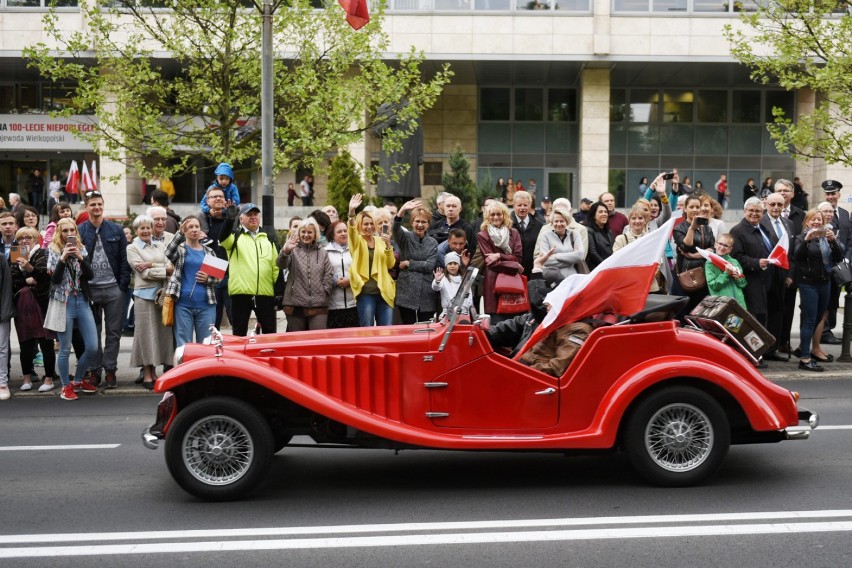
[{"x": 842, "y": 273}]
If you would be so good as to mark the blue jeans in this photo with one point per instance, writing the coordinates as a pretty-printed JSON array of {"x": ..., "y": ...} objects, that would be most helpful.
[
  {"x": 189, "y": 320},
  {"x": 814, "y": 303},
  {"x": 78, "y": 314},
  {"x": 373, "y": 310}
]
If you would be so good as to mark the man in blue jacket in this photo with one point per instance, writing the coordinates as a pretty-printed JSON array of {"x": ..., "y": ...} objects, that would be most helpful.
[{"x": 107, "y": 249}]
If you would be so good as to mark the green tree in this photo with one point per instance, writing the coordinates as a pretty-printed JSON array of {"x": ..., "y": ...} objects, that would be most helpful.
[
  {"x": 458, "y": 182},
  {"x": 183, "y": 82},
  {"x": 799, "y": 44},
  {"x": 344, "y": 181}
]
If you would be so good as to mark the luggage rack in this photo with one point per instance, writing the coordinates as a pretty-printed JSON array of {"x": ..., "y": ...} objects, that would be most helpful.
[{"x": 721, "y": 333}]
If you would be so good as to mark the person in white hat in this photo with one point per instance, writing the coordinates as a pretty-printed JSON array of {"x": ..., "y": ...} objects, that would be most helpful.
[{"x": 448, "y": 284}]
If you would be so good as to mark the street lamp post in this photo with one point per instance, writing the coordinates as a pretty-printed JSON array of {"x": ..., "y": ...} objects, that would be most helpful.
[{"x": 266, "y": 123}]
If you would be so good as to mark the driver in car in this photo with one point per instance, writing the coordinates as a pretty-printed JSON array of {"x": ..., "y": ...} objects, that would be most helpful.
[{"x": 554, "y": 353}]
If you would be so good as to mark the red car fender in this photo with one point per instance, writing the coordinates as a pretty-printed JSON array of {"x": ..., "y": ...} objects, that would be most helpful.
[{"x": 762, "y": 414}]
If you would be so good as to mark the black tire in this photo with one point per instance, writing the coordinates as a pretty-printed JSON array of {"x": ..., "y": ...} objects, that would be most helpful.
[
  {"x": 677, "y": 437},
  {"x": 219, "y": 448}
]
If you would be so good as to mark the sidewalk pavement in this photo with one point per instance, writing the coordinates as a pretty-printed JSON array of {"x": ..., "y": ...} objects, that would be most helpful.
[{"x": 126, "y": 375}]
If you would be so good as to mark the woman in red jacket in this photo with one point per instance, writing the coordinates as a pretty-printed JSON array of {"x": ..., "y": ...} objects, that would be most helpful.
[{"x": 500, "y": 246}]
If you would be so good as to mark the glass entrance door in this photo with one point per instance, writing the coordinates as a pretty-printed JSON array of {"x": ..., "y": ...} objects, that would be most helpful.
[{"x": 560, "y": 183}]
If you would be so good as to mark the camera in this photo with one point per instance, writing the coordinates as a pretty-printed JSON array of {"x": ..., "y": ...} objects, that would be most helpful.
[
  {"x": 668, "y": 176},
  {"x": 702, "y": 221}
]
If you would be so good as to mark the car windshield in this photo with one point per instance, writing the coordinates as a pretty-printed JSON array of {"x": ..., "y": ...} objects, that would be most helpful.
[{"x": 455, "y": 306}]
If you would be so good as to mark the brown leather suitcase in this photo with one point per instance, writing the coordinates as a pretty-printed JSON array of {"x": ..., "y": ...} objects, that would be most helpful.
[{"x": 724, "y": 317}]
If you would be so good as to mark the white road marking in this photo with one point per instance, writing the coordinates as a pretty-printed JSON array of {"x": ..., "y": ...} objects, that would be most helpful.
[
  {"x": 838, "y": 427},
  {"x": 793, "y": 522},
  {"x": 65, "y": 447}
]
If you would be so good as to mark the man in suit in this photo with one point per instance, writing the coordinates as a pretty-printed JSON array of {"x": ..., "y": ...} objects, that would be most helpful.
[
  {"x": 796, "y": 216},
  {"x": 842, "y": 226},
  {"x": 527, "y": 225},
  {"x": 773, "y": 222},
  {"x": 752, "y": 245}
]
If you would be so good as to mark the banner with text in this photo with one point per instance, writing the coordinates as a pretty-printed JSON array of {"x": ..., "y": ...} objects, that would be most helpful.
[{"x": 36, "y": 132}]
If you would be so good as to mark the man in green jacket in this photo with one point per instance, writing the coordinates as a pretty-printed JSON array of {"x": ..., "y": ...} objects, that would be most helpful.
[{"x": 252, "y": 271}]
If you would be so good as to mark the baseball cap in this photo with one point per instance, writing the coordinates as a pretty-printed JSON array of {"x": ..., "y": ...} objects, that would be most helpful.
[
  {"x": 546, "y": 198},
  {"x": 248, "y": 207}
]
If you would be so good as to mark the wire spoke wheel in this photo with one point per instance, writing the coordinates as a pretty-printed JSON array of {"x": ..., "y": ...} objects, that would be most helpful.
[
  {"x": 679, "y": 437},
  {"x": 676, "y": 436},
  {"x": 218, "y": 450}
]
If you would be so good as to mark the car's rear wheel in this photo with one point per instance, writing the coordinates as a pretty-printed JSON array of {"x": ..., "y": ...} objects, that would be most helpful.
[
  {"x": 219, "y": 448},
  {"x": 677, "y": 437}
]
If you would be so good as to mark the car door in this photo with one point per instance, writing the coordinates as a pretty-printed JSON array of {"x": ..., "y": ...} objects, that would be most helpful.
[{"x": 494, "y": 392}]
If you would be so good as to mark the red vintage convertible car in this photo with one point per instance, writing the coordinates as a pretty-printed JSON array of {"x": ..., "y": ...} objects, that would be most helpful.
[{"x": 672, "y": 398}]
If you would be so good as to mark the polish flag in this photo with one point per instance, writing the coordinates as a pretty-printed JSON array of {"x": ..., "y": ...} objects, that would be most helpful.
[
  {"x": 717, "y": 260},
  {"x": 618, "y": 285},
  {"x": 214, "y": 266},
  {"x": 87, "y": 179},
  {"x": 356, "y": 13},
  {"x": 72, "y": 185},
  {"x": 779, "y": 253},
  {"x": 94, "y": 176}
]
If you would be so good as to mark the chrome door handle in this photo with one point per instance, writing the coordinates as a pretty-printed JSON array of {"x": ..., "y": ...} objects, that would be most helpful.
[
  {"x": 548, "y": 390},
  {"x": 267, "y": 351}
]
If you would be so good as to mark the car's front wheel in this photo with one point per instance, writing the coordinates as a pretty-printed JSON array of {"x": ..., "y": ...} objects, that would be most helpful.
[
  {"x": 677, "y": 437},
  {"x": 219, "y": 448}
]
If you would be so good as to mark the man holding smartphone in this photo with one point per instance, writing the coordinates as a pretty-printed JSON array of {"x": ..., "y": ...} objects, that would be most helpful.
[{"x": 107, "y": 247}]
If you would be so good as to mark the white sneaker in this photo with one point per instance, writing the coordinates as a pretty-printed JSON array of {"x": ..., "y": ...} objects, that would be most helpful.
[
  {"x": 45, "y": 387},
  {"x": 26, "y": 386},
  {"x": 5, "y": 394}
]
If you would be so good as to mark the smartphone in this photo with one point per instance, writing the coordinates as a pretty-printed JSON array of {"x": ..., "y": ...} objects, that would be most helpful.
[
  {"x": 385, "y": 230},
  {"x": 14, "y": 253},
  {"x": 72, "y": 240},
  {"x": 669, "y": 175},
  {"x": 702, "y": 221}
]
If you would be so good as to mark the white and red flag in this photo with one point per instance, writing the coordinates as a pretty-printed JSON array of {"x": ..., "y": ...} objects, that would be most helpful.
[
  {"x": 618, "y": 285},
  {"x": 214, "y": 266},
  {"x": 718, "y": 261},
  {"x": 779, "y": 254},
  {"x": 356, "y": 13},
  {"x": 87, "y": 179},
  {"x": 72, "y": 184},
  {"x": 94, "y": 176}
]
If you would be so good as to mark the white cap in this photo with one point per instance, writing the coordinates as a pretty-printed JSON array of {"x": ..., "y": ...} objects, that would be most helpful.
[{"x": 452, "y": 257}]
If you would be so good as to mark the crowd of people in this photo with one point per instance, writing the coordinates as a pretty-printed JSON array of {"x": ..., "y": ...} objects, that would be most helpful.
[{"x": 73, "y": 282}]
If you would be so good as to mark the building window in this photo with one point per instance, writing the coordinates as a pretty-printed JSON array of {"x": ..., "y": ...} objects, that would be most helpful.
[
  {"x": 562, "y": 105},
  {"x": 432, "y": 173},
  {"x": 713, "y": 106},
  {"x": 529, "y": 104},
  {"x": 494, "y": 104}
]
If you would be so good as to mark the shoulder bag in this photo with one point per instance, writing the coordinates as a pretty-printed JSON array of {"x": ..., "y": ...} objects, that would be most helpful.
[{"x": 55, "y": 318}]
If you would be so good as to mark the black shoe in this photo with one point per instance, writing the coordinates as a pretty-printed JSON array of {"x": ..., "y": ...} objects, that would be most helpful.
[
  {"x": 775, "y": 357},
  {"x": 811, "y": 366},
  {"x": 141, "y": 377},
  {"x": 830, "y": 339},
  {"x": 827, "y": 359},
  {"x": 797, "y": 352},
  {"x": 148, "y": 385}
]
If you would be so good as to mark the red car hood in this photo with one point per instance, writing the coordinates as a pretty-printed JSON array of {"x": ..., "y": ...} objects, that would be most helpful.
[{"x": 359, "y": 340}]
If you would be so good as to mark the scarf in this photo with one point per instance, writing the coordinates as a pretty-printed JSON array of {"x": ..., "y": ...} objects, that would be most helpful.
[{"x": 500, "y": 238}]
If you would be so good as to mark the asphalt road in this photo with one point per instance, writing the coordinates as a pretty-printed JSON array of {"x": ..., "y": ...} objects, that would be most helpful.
[{"x": 113, "y": 502}]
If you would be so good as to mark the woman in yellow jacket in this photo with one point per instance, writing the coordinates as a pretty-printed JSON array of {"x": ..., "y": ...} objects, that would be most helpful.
[{"x": 369, "y": 275}]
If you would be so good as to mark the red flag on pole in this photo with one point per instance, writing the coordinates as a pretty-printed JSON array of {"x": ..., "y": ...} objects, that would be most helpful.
[
  {"x": 356, "y": 13},
  {"x": 72, "y": 185}
]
